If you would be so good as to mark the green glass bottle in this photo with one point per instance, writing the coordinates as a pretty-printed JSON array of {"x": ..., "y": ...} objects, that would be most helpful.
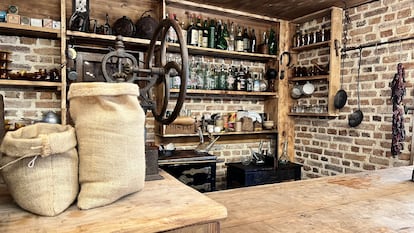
[{"x": 212, "y": 34}]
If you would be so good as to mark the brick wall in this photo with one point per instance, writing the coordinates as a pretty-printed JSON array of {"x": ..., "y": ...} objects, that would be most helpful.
[
  {"x": 29, "y": 54},
  {"x": 325, "y": 146},
  {"x": 328, "y": 146}
]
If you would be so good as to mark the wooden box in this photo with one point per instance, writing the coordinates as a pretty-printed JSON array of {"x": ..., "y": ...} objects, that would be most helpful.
[{"x": 178, "y": 129}]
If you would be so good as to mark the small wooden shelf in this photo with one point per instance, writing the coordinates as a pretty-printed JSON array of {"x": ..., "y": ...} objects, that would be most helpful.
[
  {"x": 220, "y": 134},
  {"x": 99, "y": 39},
  {"x": 30, "y": 31},
  {"x": 226, "y": 92},
  {"x": 309, "y": 78},
  {"x": 311, "y": 46},
  {"x": 9, "y": 82},
  {"x": 311, "y": 114}
]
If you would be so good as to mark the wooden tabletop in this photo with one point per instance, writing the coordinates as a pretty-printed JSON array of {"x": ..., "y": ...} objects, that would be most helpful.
[
  {"x": 162, "y": 205},
  {"x": 368, "y": 202}
]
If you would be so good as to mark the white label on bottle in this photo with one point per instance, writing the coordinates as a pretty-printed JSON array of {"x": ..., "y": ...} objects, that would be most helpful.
[
  {"x": 239, "y": 45},
  {"x": 194, "y": 37}
]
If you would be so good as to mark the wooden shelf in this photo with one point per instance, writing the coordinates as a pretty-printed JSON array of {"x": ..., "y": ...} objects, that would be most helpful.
[
  {"x": 94, "y": 39},
  {"x": 224, "y": 92},
  {"x": 214, "y": 9},
  {"x": 194, "y": 50},
  {"x": 220, "y": 134},
  {"x": 9, "y": 82},
  {"x": 309, "y": 78},
  {"x": 311, "y": 114},
  {"x": 30, "y": 31},
  {"x": 312, "y": 46}
]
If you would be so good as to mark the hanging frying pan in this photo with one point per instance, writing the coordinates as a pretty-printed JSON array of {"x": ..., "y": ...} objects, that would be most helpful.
[
  {"x": 355, "y": 118},
  {"x": 341, "y": 96}
]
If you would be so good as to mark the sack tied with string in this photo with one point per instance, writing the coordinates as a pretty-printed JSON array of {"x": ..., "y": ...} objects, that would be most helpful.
[
  {"x": 109, "y": 123},
  {"x": 39, "y": 165}
]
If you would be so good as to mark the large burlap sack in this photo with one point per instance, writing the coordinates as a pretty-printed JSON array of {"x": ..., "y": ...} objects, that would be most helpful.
[
  {"x": 40, "y": 167},
  {"x": 109, "y": 123}
]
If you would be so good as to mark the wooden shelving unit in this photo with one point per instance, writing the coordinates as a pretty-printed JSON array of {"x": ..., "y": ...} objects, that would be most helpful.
[
  {"x": 309, "y": 78},
  {"x": 226, "y": 92},
  {"x": 9, "y": 82},
  {"x": 30, "y": 31},
  {"x": 221, "y": 134}
]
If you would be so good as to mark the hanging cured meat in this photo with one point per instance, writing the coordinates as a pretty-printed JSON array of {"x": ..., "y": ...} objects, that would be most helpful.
[{"x": 397, "y": 95}]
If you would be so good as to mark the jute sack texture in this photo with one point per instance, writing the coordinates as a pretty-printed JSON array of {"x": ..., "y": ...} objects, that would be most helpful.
[
  {"x": 109, "y": 123},
  {"x": 39, "y": 165}
]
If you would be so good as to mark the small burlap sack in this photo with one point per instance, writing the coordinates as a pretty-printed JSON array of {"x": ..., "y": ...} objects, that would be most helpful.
[
  {"x": 40, "y": 167},
  {"x": 109, "y": 123}
]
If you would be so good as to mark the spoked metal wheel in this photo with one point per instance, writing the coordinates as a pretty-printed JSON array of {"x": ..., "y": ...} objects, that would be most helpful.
[{"x": 160, "y": 109}]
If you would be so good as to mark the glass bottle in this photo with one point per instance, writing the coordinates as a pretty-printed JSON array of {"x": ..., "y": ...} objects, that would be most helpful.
[
  {"x": 249, "y": 80},
  {"x": 253, "y": 42},
  {"x": 272, "y": 42},
  {"x": 230, "y": 78},
  {"x": 256, "y": 83},
  {"x": 246, "y": 41},
  {"x": 239, "y": 41},
  {"x": 284, "y": 158},
  {"x": 204, "y": 42},
  {"x": 200, "y": 31},
  {"x": 171, "y": 34},
  {"x": 221, "y": 41},
  {"x": 230, "y": 43},
  {"x": 192, "y": 33},
  {"x": 297, "y": 37},
  {"x": 212, "y": 34}
]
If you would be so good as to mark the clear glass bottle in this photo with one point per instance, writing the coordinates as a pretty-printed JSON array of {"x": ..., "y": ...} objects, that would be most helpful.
[
  {"x": 284, "y": 158},
  {"x": 230, "y": 43}
]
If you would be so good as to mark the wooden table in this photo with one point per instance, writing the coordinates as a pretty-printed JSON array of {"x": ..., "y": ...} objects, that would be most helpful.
[
  {"x": 163, "y": 205},
  {"x": 368, "y": 202}
]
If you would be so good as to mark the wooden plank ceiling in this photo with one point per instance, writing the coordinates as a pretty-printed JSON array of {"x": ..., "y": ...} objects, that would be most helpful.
[{"x": 281, "y": 9}]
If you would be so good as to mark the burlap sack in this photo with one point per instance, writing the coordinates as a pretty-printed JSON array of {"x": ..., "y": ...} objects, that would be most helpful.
[
  {"x": 40, "y": 167},
  {"x": 109, "y": 125}
]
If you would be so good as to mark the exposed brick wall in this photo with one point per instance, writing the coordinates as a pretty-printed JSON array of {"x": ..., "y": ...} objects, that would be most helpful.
[
  {"x": 325, "y": 146},
  {"x": 25, "y": 104},
  {"x": 328, "y": 146}
]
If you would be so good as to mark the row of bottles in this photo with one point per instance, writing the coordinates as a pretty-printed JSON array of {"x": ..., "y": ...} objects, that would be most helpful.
[
  {"x": 208, "y": 76},
  {"x": 212, "y": 33},
  {"x": 305, "y": 37}
]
